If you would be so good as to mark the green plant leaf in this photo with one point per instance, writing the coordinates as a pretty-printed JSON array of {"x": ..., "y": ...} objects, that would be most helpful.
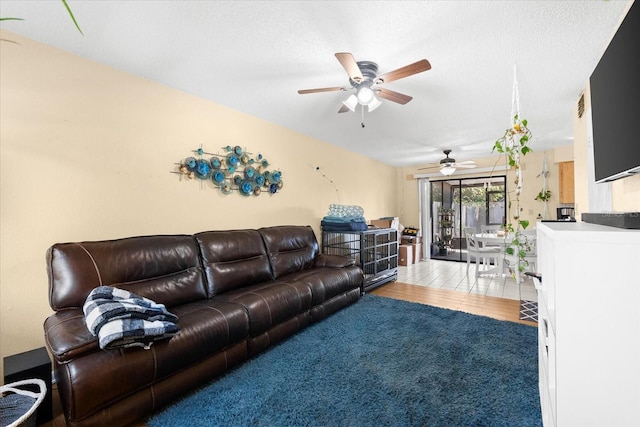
[
  {"x": 72, "y": 17},
  {"x": 509, "y": 251},
  {"x": 524, "y": 223},
  {"x": 11, "y": 19}
]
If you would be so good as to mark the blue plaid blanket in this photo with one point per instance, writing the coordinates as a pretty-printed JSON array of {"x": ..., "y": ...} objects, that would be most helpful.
[{"x": 121, "y": 319}]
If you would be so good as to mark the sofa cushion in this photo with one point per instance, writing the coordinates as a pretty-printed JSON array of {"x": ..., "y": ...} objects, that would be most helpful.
[
  {"x": 327, "y": 282},
  {"x": 290, "y": 248},
  {"x": 165, "y": 269},
  {"x": 206, "y": 327},
  {"x": 233, "y": 259},
  {"x": 272, "y": 303}
]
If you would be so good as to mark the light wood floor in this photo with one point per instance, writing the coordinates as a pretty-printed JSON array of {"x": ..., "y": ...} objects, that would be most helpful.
[{"x": 497, "y": 308}]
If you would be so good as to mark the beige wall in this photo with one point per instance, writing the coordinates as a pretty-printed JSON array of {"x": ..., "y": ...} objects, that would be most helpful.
[
  {"x": 86, "y": 153},
  {"x": 625, "y": 192}
]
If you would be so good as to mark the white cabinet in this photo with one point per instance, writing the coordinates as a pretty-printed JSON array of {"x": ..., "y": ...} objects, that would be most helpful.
[{"x": 589, "y": 325}]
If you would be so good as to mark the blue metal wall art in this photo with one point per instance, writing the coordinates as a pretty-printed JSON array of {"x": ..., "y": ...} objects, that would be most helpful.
[{"x": 234, "y": 170}]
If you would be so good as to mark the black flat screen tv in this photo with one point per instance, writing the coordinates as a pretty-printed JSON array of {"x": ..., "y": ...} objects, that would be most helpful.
[{"x": 615, "y": 103}]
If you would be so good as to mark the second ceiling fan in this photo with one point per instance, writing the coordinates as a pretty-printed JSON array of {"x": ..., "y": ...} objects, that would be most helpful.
[
  {"x": 364, "y": 79},
  {"x": 449, "y": 165}
]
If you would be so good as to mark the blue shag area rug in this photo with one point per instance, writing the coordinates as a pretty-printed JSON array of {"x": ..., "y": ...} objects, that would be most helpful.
[{"x": 379, "y": 362}]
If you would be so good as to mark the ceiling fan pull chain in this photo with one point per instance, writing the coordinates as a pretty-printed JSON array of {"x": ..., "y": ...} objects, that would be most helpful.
[{"x": 362, "y": 111}]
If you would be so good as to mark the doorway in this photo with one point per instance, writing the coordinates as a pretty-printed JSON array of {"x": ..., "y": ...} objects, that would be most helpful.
[{"x": 460, "y": 203}]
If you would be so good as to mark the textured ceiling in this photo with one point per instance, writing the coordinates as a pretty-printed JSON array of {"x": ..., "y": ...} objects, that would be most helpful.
[{"x": 253, "y": 56}]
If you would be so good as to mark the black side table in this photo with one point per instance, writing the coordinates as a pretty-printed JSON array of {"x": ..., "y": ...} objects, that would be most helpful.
[{"x": 28, "y": 365}]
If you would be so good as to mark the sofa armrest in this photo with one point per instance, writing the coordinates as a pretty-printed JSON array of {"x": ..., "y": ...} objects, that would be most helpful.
[
  {"x": 333, "y": 261},
  {"x": 67, "y": 336}
]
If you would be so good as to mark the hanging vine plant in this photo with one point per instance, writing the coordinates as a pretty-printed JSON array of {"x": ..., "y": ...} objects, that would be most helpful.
[
  {"x": 543, "y": 195},
  {"x": 513, "y": 144}
]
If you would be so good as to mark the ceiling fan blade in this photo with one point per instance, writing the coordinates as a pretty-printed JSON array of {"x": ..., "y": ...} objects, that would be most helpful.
[
  {"x": 393, "y": 96},
  {"x": 406, "y": 71},
  {"x": 322, "y": 89},
  {"x": 350, "y": 65},
  {"x": 343, "y": 109},
  {"x": 429, "y": 167},
  {"x": 464, "y": 166},
  {"x": 467, "y": 162}
]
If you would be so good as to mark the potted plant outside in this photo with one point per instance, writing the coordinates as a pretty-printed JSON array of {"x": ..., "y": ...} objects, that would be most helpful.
[{"x": 442, "y": 247}]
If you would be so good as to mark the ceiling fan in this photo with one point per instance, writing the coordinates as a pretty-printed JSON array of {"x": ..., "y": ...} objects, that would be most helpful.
[
  {"x": 365, "y": 80},
  {"x": 449, "y": 165}
]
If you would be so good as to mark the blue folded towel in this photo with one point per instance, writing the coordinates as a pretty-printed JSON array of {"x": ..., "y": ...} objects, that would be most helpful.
[{"x": 343, "y": 219}]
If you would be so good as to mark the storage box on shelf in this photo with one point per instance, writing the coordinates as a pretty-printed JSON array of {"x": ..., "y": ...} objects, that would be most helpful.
[
  {"x": 387, "y": 222},
  {"x": 381, "y": 223},
  {"x": 588, "y": 324},
  {"x": 410, "y": 240},
  {"x": 415, "y": 242},
  {"x": 374, "y": 250},
  {"x": 405, "y": 256}
]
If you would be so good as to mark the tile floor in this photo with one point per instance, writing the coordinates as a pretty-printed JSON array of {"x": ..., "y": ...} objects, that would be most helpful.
[{"x": 453, "y": 276}]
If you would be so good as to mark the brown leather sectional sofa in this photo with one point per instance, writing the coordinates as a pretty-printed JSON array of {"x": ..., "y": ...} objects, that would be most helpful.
[{"x": 235, "y": 293}]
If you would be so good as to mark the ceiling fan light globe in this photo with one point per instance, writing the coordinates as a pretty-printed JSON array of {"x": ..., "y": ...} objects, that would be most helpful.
[
  {"x": 374, "y": 104},
  {"x": 447, "y": 170},
  {"x": 351, "y": 102},
  {"x": 365, "y": 95}
]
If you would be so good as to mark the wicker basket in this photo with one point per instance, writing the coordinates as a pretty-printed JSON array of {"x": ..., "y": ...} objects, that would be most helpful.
[{"x": 18, "y": 404}]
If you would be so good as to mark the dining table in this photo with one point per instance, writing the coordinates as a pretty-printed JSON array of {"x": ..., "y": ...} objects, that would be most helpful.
[{"x": 495, "y": 239}]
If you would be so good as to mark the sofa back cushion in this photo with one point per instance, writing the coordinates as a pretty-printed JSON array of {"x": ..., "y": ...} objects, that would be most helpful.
[
  {"x": 165, "y": 269},
  {"x": 233, "y": 259},
  {"x": 290, "y": 248}
]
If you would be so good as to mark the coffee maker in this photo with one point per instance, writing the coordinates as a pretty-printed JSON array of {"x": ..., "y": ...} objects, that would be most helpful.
[{"x": 566, "y": 214}]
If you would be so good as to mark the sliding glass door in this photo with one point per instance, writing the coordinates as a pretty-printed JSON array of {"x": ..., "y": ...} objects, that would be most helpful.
[{"x": 457, "y": 204}]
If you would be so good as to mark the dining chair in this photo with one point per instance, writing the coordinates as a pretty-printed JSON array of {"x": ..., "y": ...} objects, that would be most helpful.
[
  {"x": 483, "y": 255},
  {"x": 493, "y": 229}
]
